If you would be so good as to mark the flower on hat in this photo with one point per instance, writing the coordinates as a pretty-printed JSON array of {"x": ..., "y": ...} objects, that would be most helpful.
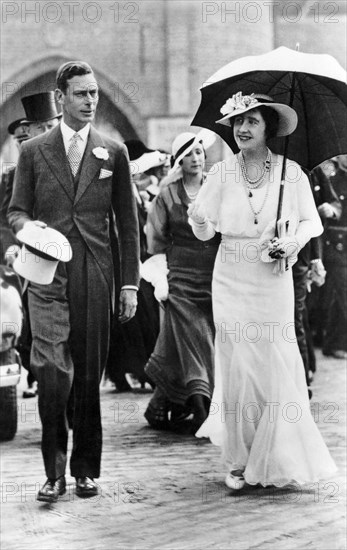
[
  {"x": 101, "y": 153},
  {"x": 239, "y": 102}
]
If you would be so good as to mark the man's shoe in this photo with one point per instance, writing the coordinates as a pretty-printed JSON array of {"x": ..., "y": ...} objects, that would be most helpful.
[
  {"x": 52, "y": 489},
  {"x": 86, "y": 487},
  {"x": 31, "y": 391}
]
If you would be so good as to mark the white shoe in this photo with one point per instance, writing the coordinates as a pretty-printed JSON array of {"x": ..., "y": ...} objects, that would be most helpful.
[{"x": 234, "y": 482}]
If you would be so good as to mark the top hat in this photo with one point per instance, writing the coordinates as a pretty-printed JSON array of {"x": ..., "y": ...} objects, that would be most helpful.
[
  {"x": 142, "y": 158},
  {"x": 239, "y": 104},
  {"x": 15, "y": 124},
  {"x": 40, "y": 107},
  {"x": 42, "y": 249}
]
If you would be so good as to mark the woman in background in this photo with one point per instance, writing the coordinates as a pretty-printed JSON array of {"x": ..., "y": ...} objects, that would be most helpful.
[{"x": 182, "y": 362}]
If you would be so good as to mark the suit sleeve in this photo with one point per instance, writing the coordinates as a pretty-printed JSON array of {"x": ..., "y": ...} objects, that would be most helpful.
[
  {"x": 22, "y": 202},
  {"x": 124, "y": 206},
  {"x": 6, "y": 194},
  {"x": 327, "y": 192}
]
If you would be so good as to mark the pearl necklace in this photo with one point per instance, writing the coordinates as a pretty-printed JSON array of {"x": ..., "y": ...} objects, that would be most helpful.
[
  {"x": 257, "y": 212},
  {"x": 191, "y": 196},
  {"x": 254, "y": 184}
]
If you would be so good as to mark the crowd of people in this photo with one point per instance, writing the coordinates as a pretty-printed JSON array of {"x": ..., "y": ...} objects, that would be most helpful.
[{"x": 208, "y": 282}]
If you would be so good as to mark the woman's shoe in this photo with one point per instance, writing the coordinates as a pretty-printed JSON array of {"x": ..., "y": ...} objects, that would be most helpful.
[
  {"x": 235, "y": 482},
  {"x": 157, "y": 417}
]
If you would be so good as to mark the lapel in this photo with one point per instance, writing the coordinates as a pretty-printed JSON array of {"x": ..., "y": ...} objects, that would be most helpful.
[
  {"x": 181, "y": 193},
  {"x": 53, "y": 152},
  {"x": 91, "y": 165}
]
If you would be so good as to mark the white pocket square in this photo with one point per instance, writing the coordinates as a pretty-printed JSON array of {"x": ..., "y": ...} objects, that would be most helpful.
[{"x": 104, "y": 174}]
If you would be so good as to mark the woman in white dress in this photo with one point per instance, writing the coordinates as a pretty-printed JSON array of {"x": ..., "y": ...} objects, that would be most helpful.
[{"x": 260, "y": 412}]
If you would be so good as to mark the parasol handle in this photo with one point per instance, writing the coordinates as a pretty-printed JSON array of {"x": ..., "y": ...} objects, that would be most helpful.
[
  {"x": 283, "y": 174},
  {"x": 281, "y": 193}
]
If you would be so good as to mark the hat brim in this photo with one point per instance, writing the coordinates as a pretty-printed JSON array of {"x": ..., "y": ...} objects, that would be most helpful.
[
  {"x": 147, "y": 161},
  {"x": 288, "y": 118},
  {"x": 186, "y": 152},
  {"x": 46, "y": 242},
  {"x": 33, "y": 268},
  {"x": 15, "y": 124},
  {"x": 59, "y": 115}
]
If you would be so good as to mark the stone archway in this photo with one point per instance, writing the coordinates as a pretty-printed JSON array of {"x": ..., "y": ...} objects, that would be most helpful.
[{"x": 117, "y": 114}]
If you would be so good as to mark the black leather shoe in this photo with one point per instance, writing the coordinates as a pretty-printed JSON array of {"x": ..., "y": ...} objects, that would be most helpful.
[
  {"x": 86, "y": 487},
  {"x": 52, "y": 489}
]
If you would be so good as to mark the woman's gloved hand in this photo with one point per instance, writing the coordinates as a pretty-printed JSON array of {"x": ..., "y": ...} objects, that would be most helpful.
[
  {"x": 284, "y": 247},
  {"x": 155, "y": 271},
  {"x": 161, "y": 289},
  {"x": 196, "y": 213}
]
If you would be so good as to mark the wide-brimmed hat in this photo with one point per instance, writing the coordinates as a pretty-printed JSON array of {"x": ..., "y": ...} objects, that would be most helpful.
[
  {"x": 142, "y": 158},
  {"x": 136, "y": 148},
  {"x": 184, "y": 143},
  {"x": 42, "y": 249},
  {"x": 15, "y": 124},
  {"x": 239, "y": 104},
  {"x": 40, "y": 107}
]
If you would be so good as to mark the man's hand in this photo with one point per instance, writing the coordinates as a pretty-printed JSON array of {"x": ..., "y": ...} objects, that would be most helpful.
[
  {"x": 37, "y": 223},
  {"x": 325, "y": 210},
  {"x": 127, "y": 304}
]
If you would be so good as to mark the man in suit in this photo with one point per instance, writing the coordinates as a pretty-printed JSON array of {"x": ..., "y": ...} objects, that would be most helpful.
[
  {"x": 41, "y": 115},
  {"x": 76, "y": 181},
  {"x": 309, "y": 260},
  {"x": 335, "y": 259},
  {"x": 19, "y": 130}
]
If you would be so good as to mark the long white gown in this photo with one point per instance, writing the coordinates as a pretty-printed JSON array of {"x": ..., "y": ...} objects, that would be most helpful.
[{"x": 260, "y": 413}]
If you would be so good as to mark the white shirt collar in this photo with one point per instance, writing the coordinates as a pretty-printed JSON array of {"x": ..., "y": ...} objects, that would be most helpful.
[{"x": 69, "y": 132}]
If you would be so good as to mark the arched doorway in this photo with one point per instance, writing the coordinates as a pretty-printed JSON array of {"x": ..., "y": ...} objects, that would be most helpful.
[{"x": 117, "y": 114}]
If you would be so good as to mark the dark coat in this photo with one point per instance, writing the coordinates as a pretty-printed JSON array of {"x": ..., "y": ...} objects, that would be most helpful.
[
  {"x": 70, "y": 318},
  {"x": 44, "y": 190}
]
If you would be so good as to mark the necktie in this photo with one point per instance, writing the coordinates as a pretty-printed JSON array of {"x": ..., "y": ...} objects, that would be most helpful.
[{"x": 74, "y": 154}]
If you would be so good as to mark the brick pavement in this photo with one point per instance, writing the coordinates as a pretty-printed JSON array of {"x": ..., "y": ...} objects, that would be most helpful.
[{"x": 165, "y": 491}]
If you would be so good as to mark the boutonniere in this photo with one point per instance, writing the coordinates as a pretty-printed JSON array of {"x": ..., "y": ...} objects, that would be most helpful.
[{"x": 101, "y": 153}]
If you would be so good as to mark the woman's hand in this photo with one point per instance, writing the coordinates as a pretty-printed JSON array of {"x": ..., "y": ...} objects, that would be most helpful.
[
  {"x": 195, "y": 212},
  {"x": 284, "y": 247},
  {"x": 161, "y": 289}
]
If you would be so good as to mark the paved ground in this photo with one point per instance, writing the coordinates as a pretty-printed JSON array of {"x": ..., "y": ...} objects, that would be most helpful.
[{"x": 164, "y": 491}]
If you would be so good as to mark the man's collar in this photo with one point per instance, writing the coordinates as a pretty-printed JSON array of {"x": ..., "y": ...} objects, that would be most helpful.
[{"x": 69, "y": 132}]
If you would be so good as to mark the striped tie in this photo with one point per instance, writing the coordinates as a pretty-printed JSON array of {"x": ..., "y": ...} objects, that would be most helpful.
[{"x": 74, "y": 154}]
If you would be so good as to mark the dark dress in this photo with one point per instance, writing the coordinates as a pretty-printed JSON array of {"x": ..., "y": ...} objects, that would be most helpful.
[{"x": 182, "y": 363}]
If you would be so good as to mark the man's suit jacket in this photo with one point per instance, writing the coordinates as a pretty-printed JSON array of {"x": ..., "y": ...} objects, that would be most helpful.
[
  {"x": 44, "y": 190},
  {"x": 7, "y": 237}
]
